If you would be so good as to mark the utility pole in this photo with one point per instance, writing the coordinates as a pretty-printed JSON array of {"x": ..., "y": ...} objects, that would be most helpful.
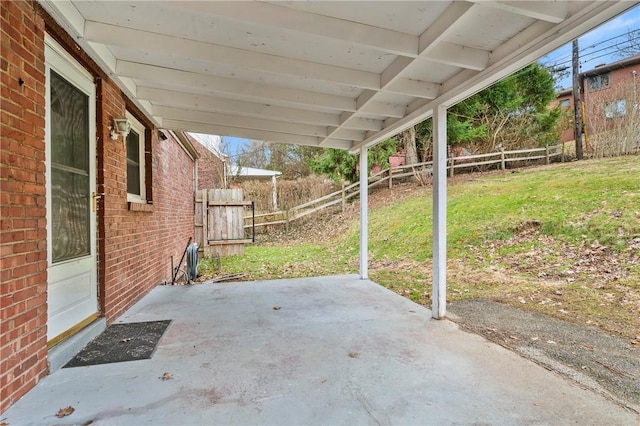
[{"x": 577, "y": 103}]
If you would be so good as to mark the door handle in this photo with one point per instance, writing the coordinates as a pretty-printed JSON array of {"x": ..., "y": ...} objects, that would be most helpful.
[{"x": 94, "y": 200}]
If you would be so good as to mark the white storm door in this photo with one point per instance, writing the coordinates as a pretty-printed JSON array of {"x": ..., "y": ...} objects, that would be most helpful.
[{"x": 71, "y": 218}]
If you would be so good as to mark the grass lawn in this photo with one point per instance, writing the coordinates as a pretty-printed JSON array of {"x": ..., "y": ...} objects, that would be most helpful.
[{"x": 561, "y": 239}]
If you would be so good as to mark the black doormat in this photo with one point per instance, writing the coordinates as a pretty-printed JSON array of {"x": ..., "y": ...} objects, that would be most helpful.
[{"x": 121, "y": 342}]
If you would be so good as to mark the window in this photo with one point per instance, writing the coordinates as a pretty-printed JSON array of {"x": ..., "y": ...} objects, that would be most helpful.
[
  {"x": 135, "y": 161},
  {"x": 565, "y": 103},
  {"x": 598, "y": 82},
  {"x": 615, "y": 109}
]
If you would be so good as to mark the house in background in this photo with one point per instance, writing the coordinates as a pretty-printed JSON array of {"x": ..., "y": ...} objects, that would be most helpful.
[
  {"x": 212, "y": 167},
  {"x": 90, "y": 213},
  {"x": 238, "y": 174},
  {"x": 612, "y": 116},
  {"x": 564, "y": 100},
  {"x": 611, "y": 113}
]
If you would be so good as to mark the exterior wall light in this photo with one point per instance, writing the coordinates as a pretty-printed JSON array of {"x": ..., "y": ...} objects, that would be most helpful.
[{"x": 121, "y": 127}]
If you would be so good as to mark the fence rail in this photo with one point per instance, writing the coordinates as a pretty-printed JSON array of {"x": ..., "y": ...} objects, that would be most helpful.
[{"x": 418, "y": 170}]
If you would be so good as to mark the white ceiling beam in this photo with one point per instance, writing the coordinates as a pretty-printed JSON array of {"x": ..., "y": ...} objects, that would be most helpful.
[
  {"x": 229, "y": 106},
  {"x": 346, "y": 134},
  {"x": 233, "y": 88},
  {"x": 429, "y": 44},
  {"x": 519, "y": 40},
  {"x": 412, "y": 87},
  {"x": 336, "y": 143},
  {"x": 273, "y": 15},
  {"x": 393, "y": 71},
  {"x": 183, "y": 114},
  {"x": 549, "y": 11},
  {"x": 460, "y": 56},
  {"x": 214, "y": 129},
  {"x": 380, "y": 108},
  {"x": 348, "y": 121},
  {"x": 437, "y": 31},
  {"x": 364, "y": 98},
  {"x": 180, "y": 47}
]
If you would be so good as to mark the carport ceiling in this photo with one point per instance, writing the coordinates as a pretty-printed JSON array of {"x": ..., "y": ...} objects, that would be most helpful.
[{"x": 342, "y": 74}]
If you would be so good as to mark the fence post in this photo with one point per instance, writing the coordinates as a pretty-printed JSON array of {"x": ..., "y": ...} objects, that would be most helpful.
[
  {"x": 451, "y": 162},
  {"x": 503, "y": 164},
  {"x": 562, "y": 156},
  {"x": 547, "y": 154},
  {"x": 390, "y": 177},
  {"x": 206, "y": 248},
  {"x": 286, "y": 220},
  {"x": 344, "y": 199}
]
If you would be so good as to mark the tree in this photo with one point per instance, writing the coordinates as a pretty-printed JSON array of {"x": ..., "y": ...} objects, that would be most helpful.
[
  {"x": 408, "y": 142},
  {"x": 631, "y": 47},
  {"x": 255, "y": 154},
  {"x": 512, "y": 113},
  {"x": 340, "y": 165}
]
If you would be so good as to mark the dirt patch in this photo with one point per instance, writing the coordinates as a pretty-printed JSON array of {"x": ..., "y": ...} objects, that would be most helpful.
[{"x": 588, "y": 355}]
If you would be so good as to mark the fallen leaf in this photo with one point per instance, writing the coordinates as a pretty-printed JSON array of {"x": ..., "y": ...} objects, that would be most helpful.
[
  {"x": 63, "y": 412},
  {"x": 4, "y": 424},
  {"x": 277, "y": 308},
  {"x": 87, "y": 423},
  {"x": 353, "y": 354},
  {"x": 551, "y": 342},
  {"x": 635, "y": 342},
  {"x": 126, "y": 339},
  {"x": 166, "y": 376}
]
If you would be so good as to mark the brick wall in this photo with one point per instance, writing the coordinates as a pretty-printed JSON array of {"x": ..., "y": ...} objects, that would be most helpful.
[
  {"x": 210, "y": 168},
  {"x": 23, "y": 245},
  {"x": 134, "y": 247}
]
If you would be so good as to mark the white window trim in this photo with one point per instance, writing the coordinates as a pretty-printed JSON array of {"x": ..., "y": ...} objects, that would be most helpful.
[{"x": 141, "y": 131}]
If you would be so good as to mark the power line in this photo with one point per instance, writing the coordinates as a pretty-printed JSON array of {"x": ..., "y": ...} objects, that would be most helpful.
[{"x": 585, "y": 51}]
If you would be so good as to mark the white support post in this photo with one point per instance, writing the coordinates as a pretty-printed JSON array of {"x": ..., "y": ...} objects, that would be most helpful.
[
  {"x": 439, "y": 285},
  {"x": 364, "y": 215},
  {"x": 274, "y": 193}
]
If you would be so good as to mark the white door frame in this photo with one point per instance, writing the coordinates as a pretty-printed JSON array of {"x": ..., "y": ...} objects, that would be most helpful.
[{"x": 82, "y": 269}]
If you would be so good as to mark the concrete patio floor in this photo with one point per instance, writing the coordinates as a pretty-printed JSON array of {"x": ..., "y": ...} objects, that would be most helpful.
[{"x": 340, "y": 350}]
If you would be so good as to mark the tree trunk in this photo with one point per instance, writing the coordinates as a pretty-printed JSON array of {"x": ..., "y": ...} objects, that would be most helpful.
[{"x": 408, "y": 138}]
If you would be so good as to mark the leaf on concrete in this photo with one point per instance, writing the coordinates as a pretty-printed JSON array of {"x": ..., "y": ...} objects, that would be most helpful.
[
  {"x": 353, "y": 354},
  {"x": 277, "y": 308},
  {"x": 63, "y": 412},
  {"x": 126, "y": 339},
  {"x": 166, "y": 376}
]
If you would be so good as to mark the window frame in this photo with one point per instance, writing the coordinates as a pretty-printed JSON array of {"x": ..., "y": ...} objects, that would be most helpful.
[
  {"x": 617, "y": 108},
  {"x": 599, "y": 81},
  {"x": 141, "y": 131}
]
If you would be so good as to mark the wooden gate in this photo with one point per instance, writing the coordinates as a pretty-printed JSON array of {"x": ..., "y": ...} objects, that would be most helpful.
[{"x": 219, "y": 226}]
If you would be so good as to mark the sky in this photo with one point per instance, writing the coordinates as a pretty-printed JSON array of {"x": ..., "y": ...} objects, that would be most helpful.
[{"x": 598, "y": 46}]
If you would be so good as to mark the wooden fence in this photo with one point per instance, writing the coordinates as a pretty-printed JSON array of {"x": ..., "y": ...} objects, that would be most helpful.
[
  {"x": 501, "y": 159},
  {"x": 219, "y": 222}
]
